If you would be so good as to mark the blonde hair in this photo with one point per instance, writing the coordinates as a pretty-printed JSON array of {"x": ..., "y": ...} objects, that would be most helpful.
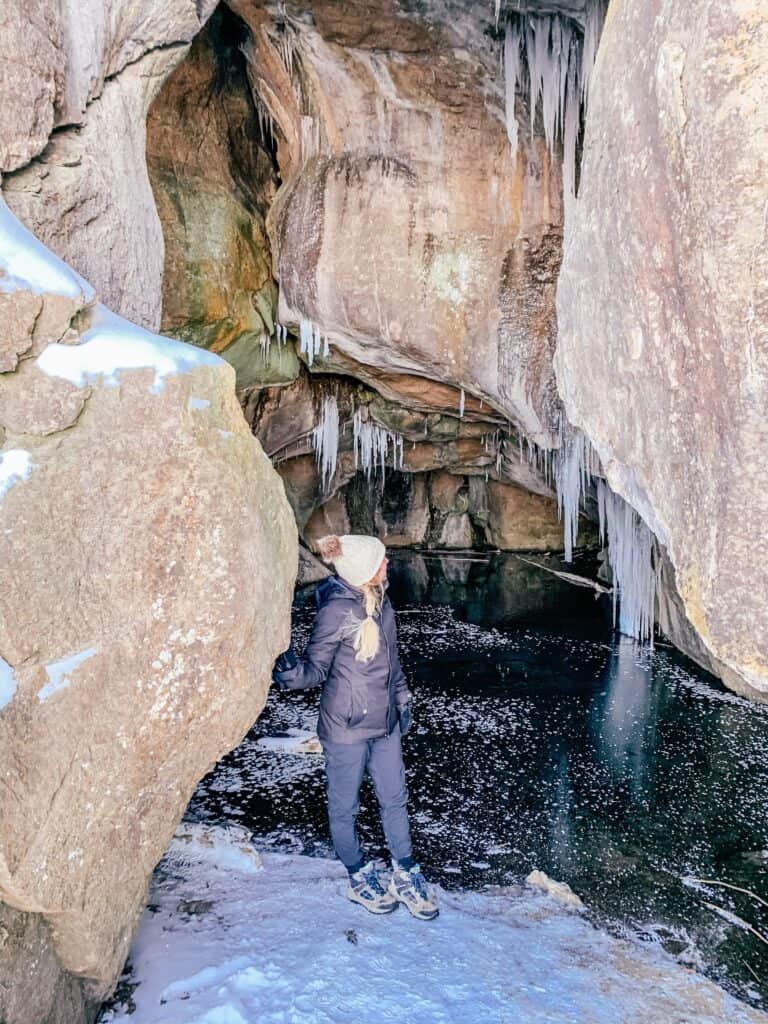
[{"x": 367, "y": 638}]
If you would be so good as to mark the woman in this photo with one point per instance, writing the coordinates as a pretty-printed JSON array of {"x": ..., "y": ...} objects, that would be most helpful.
[{"x": 365, "y": 708}]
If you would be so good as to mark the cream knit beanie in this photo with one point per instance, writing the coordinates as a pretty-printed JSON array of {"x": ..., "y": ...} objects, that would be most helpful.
[{"x": 357, "y": 558}]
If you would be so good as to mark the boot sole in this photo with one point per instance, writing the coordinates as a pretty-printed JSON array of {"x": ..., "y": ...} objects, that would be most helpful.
[{"x": 423, "y": 915}]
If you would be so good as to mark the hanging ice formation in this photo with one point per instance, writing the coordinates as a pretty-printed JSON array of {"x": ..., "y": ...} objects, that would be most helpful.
[
  {"x": 630, "y": 553},
  {"x": 311, "y": 341},
  {"x": 549, "y": 58},
  {"x": 575, "y": 465},
  {"x": 372, "y": 443},
  {"x": 628, "y": 539},
  {"x": 461, "y": 404},
  {"x": 325, "y": 439}
]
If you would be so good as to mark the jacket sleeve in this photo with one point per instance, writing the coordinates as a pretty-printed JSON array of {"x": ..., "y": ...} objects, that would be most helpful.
[{"x": 312, "y": 669}]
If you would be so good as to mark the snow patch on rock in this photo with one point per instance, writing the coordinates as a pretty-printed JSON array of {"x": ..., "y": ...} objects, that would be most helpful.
[
  {"x": 15, "y": 467},
  {"x": 59, "y": 673},
  {"x": 113, "y": 344},
  {"x": 28, "y": 265},
  {"x": 7, "y": 684}
]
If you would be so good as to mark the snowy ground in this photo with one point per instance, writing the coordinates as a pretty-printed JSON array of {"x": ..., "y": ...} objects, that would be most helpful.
[{"x": 230, "y": 937}]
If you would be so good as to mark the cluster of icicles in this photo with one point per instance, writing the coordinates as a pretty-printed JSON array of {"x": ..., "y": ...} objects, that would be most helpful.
[
  {"x": 574, "y": 470},
  {"x": 312, "y": 342},
  {"x": 549, "y": 59},
  {"x": 373, "y": 444},
  {"x": 623, "y": 533}
]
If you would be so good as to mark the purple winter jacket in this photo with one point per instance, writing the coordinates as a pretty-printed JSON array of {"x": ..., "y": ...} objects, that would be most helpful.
[{"x": 360, "y": 700}]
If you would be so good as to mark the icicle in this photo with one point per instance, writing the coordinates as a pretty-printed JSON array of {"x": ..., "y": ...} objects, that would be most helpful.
[
  {"x": 498, "y": 12},
  {"x": 630, "y": 554},
  {"x": 371, "y": 445},
  {"x": 593, "y": 26},
  {"x": 307, "y": 340},
  {"x": 511, "y": 78},
  {"x": 571, "y": 132},
  {"x": 325, "y": 439},
  {"x": 461, "y": 405},
  {"x": 326, "y": 347},
  {"x": 550, "y": 57},
  {"x": 317, "y": 340}
]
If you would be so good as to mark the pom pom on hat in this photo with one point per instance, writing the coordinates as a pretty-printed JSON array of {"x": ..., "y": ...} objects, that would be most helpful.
[{"x": 357, "y": 558}]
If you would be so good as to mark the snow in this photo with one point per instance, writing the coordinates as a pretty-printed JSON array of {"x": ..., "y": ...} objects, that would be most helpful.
[
  {"x": 15, "y": 467},
  {"x": 7, "y": 684},
  {"x": 198, "y": 403},
  {"x": 295, "y": 741},
  {"x": 325, "y": 439},
  {"x": 113, "y": 344},
  {"x": 59, "y": 672},
  {"x": 222, "y": 944},
  {"x": 29, "y": 266}
]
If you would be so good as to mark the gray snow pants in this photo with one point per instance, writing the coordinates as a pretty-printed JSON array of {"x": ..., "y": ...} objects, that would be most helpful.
[{"x": 346, "y": 765}]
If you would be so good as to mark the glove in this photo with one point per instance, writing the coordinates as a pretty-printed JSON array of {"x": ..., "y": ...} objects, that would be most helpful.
[
  {"x": 286, "y": 661},
  {"x": 406, "y": 718},
  {"x": 284, "y": 664}
]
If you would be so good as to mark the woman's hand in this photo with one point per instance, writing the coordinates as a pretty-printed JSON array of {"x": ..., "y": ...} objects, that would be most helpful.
[
  {"x": 283, "y": 667},
  {"x": 405, "y": 712}
]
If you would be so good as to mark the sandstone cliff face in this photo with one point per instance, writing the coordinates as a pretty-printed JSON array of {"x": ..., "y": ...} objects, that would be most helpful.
[
  {"x": 662, "y": 355},
  {"x": 149, "y": 557}
]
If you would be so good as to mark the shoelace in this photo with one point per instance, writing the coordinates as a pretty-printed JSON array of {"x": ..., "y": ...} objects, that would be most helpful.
[
  {"x": 419, "y": 882},
  {"x": 372, "y": 880}
]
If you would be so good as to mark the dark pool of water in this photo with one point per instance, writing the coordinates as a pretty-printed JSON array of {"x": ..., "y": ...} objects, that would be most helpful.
[{"x": 544, "y": 740}]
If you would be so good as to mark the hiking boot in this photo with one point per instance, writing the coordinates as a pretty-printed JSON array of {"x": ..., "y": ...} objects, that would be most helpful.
[
  {"x": 366, "y": 889},
  {"x": 410, "y": 888}
]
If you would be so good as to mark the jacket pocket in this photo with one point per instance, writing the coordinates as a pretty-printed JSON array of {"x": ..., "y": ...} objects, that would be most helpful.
[{"x": 358, "y": 712}]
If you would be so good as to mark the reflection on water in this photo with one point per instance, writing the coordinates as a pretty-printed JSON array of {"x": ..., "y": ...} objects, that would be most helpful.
[{"x": 543, "y": 740}]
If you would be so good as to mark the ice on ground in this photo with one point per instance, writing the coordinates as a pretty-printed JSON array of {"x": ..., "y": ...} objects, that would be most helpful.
[
  {"x": 15, "y": 467},
  {"x": 296, "y": 741},
  {"x": 59, "y": 672},
  {"x": 561, "y": 891},
  {"x": 285, "y": 945},
  {"x": 225, "y": 848},
  {"x": 7, "y": 684},
  {"x": 113, "y": 344},
  {"x": 29, "y": 266}
]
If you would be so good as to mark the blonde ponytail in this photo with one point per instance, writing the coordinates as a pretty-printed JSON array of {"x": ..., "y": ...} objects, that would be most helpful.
[{"x": 368, "y": 634}]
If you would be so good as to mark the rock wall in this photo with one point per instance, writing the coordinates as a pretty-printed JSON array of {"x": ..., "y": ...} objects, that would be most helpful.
[
  {"x": 390, "y": 133},
  {"x": 149, "y": 555},
  {"x": 90, "y": 71},
  {"x": 213, "y": 180},
  {"x": 662, "y": 355}
]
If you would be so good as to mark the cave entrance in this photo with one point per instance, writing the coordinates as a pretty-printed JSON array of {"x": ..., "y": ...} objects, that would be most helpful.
[{"x": 543, "y": 740}]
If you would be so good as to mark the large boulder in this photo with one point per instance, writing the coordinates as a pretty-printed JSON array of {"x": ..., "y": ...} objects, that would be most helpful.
[
  {"x": 662, "y": 357},
  {"x": 148, "y": 556}
]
